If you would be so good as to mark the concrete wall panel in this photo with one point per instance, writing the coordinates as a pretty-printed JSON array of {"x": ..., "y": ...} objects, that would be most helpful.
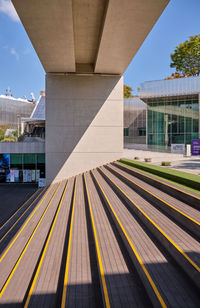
[
  {"x": 71, "y": 164},
  {"x": 93, "y": 139},
  {"x": 83, "y": 87},
  {"x": 22, "y": 147},
  {"x": 84, "y": 123},
  {"x": 71, "y": 114}
]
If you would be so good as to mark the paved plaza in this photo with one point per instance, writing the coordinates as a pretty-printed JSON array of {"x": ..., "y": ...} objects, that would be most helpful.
[{"x": 178, "y": 161}]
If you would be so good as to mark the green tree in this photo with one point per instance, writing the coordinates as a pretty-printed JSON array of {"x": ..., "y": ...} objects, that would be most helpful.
[
  {"x": 127, "y": 91},
  {"x": 15, "y": 133},
  {"x": 186, "y": 57},
  {"x": 9, "y": 139},
  {"x": 1, "y": 134},
  {"x": 175, "y": 76}
]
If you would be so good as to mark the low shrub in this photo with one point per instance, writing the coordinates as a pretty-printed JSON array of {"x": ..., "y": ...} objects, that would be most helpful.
[
  {"x": 187, "y": 179},
  {"x": 9, "y": 139},
  {"x": 148, "y": 160},
  {"x": 136, "y": 158},
  {"x": 165, "y": 163}
]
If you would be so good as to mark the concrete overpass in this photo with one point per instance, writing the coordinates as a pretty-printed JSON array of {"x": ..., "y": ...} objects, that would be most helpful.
[{"x": 85, "y": 46}]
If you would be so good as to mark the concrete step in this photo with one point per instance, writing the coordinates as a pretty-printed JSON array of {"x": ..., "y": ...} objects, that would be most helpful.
[
  {"x": 154, "y": 269},
  {"x": 96, "y": 241},
  {"x": 183, "y": 214},
  {"x": 179, "y": 244},
  {"x": 181, "y": 194}
]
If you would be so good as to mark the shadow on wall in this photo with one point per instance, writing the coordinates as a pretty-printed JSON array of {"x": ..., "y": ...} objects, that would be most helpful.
[{"x": 84, "y": 120}]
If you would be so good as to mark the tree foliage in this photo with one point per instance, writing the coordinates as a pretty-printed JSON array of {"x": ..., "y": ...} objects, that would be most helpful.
[
  {"x": 186, "y": 57},
  {"x": 175, "y": 75},
  {"x": 1, "y": 134},
  {"x": 127, "y": 91},
  {"x": 9, "y": 139}
]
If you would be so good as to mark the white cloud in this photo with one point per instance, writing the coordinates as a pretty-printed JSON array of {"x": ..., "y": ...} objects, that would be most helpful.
[
  {"x": 7, "y": 8},
  {"x": 14, "y": 53},
  {"x": 27, "y": 51}
]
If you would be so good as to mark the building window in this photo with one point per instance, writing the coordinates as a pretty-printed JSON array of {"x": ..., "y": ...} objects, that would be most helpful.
[
  {"x": 30, "y": 161},
  {"x": 27, "y": 167},
  {"x": 16, "y": 161},
  {"x": 142, "y": 131},
  {"x": 41, "y": 164},
  {"x": 126, "y": 132},
  {"x": 172, "y": 120}
]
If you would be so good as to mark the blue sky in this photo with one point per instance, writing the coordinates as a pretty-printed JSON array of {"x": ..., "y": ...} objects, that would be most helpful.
[{"x": 21, "y": 70}]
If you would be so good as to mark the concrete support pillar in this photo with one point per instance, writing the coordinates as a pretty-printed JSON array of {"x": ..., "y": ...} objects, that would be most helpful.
[
  {"x": 84, "y": 123},
  {"x": 22, "y": 127}
]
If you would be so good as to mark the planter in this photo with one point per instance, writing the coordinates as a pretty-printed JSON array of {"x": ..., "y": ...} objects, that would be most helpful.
[
  {"x": 148, "y": 160},
  {"x": 165, "y": 163}
]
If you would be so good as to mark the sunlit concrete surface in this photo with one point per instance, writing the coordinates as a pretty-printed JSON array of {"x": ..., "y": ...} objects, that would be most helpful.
[
  {"x": 100, "y": 36},
  {"x": 84, "y": 123}
]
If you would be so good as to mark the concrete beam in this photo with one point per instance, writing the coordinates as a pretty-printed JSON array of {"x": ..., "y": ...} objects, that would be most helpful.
[
  {"x": 88, "y": 36},
  {"x": 127, "y": 24},
  {"x": 50, "y": 29}
]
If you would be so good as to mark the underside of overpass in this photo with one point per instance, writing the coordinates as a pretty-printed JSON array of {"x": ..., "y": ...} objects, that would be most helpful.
[{"x": 85, "y": 46}]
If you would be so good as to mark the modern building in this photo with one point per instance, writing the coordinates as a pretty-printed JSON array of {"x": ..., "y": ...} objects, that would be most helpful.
[
  {"x": 34, "y": 126},
  {"x": 135, "y": 112},
  {"x": 13, "y": 109},
  {"x": 172, "y": 111},
  {"x": 165, "y": 114},
  {"x": 23, "y": 161}
]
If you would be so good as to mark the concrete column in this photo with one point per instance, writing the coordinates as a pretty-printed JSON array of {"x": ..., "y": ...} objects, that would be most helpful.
[
  {"x": 22, "y": 127},
  {"x": 84, "y": 123}
]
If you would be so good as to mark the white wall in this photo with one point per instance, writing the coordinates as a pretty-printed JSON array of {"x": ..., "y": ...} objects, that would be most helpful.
[
  {"x": 22, "y": 147},
  {"x": 84, "y": 123}
]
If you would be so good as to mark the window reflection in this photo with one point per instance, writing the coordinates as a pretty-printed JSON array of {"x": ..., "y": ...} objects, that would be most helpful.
[{"x": 172, "y": 120}]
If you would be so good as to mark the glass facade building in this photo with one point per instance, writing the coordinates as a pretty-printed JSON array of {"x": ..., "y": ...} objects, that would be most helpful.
[
  {"x": 22, "y": 168},
  {"x": 28, "y": 162},
  {"x": 12, "y": 109},
  {"x": 173, "y": 120},
  {"x": 22, "y": 161},
  {"x": 134, "y": 121},
  {"x": 172, "y": 111}
]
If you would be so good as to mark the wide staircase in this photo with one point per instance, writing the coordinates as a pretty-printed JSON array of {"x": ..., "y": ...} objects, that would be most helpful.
[{"x": 111, "y": 237}]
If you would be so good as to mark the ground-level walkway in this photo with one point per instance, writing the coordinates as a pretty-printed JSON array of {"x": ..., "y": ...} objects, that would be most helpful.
[{"x": 178, "y": 161}]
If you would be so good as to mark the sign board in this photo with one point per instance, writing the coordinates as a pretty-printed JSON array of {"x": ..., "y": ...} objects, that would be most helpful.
[
  {"x": 195, "y": 146},
  {"x": 29, "y": 176},
  {"x": 4, "y": 167},
  {"x": 12, "y": 176},
  {"x": 178, "y": 148},
  {"x": 188, "y": 150},
  {"x": 16, "y": 175},
  {"x": 37, "y": 175},
  {"x": 25, "y": 176},
  {"x": 33, "y": 175},
  {"x": 41, "y": 182}
]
